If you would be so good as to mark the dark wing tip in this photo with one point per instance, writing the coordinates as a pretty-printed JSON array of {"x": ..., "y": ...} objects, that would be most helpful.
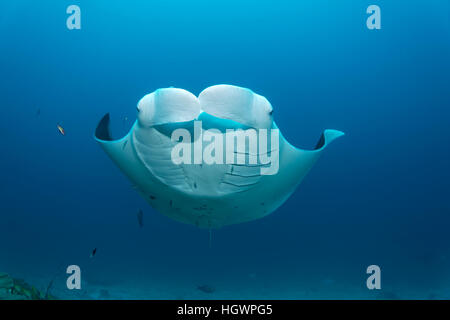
[
  {"x": 327, "y": 137},
  {"x": 103, "y": 131},
  {"x": 321, "y": 142}
]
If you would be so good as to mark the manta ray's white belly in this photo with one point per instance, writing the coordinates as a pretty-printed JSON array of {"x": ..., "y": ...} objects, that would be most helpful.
[{"x": 206, "y": 195}]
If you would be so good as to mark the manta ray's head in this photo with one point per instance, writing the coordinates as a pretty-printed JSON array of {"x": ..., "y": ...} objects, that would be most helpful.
[
  {"x": 172, "y": 105},
  {"x": 168, "y": 105},
  {"x": 238, "y": 104}
]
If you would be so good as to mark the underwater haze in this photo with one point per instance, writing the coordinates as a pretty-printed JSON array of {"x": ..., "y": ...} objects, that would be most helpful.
[{"x": 377, "y": 196}]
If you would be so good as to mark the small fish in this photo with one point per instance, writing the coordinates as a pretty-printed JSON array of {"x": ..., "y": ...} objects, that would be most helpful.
[
  {"x": 93, "y": 252},
  {"x": 38, "y": 112},
  {"x": 140, "y": 217},
  {"x": 124, "y": 144},
  {"x": 61, "y": 130},
  {"x": 206, "y": 288}
]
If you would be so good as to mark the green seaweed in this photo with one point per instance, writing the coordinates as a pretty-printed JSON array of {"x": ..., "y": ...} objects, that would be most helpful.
[{"x": 18, "y": 289}]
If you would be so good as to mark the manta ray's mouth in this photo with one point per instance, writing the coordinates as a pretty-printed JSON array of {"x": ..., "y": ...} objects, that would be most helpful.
[
  {"x": 208, "y": 122},
  {"x": 103, "y": 130}
]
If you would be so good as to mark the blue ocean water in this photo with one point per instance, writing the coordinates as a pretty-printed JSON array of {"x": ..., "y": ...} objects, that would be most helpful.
[{"x": 379, "y": 195}]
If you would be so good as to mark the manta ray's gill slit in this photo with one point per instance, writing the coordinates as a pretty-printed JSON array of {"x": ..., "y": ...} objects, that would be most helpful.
[
  {"x": 240, "y": 185},
  {"x": 242, "y": 175},
  {"x": 249, "y": 165},
  {"x": 268, "y": 153}
]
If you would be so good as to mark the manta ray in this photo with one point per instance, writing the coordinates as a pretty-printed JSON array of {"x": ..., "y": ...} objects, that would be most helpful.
[{"x": 208, "y": 195}]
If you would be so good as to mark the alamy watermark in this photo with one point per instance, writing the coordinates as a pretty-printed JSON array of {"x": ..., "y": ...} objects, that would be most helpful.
[
  {"x": 374, "y": 20},
  {"x": 374, "y": 280},
  {"x": 235, "y": 146},
  {"x": 74, "y": 280},
  {"x": 74, "y": 20}
]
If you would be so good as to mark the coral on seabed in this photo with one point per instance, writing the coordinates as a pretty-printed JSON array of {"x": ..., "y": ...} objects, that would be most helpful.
[{"x": 17, "y": 289}]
